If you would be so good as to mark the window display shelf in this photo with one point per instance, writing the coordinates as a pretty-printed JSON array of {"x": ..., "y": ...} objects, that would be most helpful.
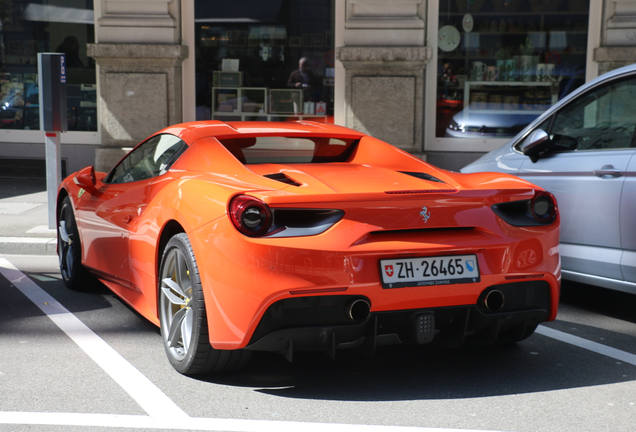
[
  {"x": 509, "y": 97},
  {"x": 524, "y": 13},
  {"x": 238, "y": 101},
  {"x": 287, "y": 101},
  {"x": 258, "y": 104},
  {"x": 265, "y": 117},
  {"x": 533, "y": 50}
]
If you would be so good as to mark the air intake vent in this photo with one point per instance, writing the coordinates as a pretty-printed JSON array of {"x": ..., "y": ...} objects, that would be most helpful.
[
  {"x": 425, "y": 191},
  {"x": 282, "y": 178},
  {"x": 422, "y": 176}
]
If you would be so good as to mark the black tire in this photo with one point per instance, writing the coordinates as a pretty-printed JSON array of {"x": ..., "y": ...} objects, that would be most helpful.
[
  {"x": 517, "y": 333},
  {"x": 182, "y": 315},
  {"x": 69, "y": 250}
]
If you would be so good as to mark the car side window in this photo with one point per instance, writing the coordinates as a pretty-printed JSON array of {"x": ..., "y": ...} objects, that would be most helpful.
[
  {"x": 602, "y": 119},
  {"x": 150, "y": 159}
]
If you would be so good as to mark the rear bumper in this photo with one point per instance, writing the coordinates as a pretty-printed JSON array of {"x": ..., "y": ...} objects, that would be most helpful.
[
  {"x": 243, "y": 278},
  {"x": 321, "y": 324}
]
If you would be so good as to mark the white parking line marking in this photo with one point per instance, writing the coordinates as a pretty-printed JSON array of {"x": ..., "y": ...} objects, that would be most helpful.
[
  {"x": 164, "y": 414},
  {"x": 225, "y": 425},
  {"x": 137, "y": 385},
  {"x": 587, "y": 344}
]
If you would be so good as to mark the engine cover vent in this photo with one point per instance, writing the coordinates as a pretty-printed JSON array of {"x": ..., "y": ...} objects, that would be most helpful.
[
  {"x": 281, "y": 177},
  {"x": 422, "y": 176}
]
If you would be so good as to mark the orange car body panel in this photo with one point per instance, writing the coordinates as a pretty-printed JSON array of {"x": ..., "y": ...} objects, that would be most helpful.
[{"x": 120, "y": 227}]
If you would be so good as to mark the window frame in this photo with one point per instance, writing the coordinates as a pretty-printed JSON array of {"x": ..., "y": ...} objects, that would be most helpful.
[
  {"x": 484, "y": 145},
  {"x": 109, "y": 179},
  {"x": 601, "y": 87}
]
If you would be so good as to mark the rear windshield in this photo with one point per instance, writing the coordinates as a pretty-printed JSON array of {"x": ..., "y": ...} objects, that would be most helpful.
[{"x": 286, "y": 150}]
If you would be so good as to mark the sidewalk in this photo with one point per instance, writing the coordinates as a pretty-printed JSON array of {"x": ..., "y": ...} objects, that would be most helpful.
[{"x": 24, "y": 218}]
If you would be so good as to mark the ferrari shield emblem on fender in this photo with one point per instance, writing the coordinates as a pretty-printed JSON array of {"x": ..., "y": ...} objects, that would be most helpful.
[
  {"x": 425, "y": 214},
  {"x": 388, "y": 270}
]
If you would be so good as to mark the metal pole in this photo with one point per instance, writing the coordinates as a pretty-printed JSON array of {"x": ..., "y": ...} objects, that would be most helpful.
[
  {"x": 53, "y": 174},
  {"x": 53, "y": 120}
]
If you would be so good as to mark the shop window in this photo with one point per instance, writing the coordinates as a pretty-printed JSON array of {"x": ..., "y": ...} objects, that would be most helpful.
[
  {"x": 30, "y": 27},
  {"x": 501, "y": 63},
  {"x": 265, "y": 61}
]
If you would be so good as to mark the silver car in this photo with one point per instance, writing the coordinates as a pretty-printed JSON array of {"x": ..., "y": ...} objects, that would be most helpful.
[{"x": 583, "y": 151}]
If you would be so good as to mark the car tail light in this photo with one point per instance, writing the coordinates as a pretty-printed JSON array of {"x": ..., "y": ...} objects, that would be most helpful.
[
  {"x": 543, "y": 206},
  {"x": 541, "y": 209},
  {"x": 250, "y": 215}
]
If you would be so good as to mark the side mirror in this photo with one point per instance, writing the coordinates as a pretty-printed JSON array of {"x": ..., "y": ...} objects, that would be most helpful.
[
  {"x": 85, "y": 178},
  {"x": 536, "y": 143}
]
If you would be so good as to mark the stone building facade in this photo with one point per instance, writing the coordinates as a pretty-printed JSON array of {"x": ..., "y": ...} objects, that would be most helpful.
[{"x": 386, "y": 72}]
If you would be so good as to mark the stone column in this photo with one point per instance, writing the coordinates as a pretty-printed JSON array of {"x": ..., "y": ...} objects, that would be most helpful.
[
  {"x": 618, "y": 36},
  {"x": 385, "y": 92},
  {"x": 139, "y": 56},
  {"x": 384, "y": 59}
]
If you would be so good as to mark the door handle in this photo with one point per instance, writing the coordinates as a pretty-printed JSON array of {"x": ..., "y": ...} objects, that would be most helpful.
[
  {"x": 127, "y": 218},
  {"x": 608, "y": 170}
]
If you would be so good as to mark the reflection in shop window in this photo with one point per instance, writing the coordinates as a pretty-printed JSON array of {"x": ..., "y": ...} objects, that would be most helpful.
[
  {"x": 265, "y": 61},
  {"x": 501, "y": 63},
  {"x": 29, "y": 27}
]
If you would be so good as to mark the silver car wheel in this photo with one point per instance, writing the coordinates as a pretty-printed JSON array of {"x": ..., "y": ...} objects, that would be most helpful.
[
  {"x": 183, "y": 317},
  {"x": 176, "y": 295}
]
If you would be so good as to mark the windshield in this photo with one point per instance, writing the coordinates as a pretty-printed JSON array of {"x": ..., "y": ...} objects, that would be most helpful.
[{"x": 286, "y": 150}]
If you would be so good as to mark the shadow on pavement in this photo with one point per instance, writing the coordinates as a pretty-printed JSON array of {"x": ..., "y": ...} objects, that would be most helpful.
[
  {"x": 615, "y": 304},
  {"x": 403, "y": 373},
  {"x": 10, "y": 188}
]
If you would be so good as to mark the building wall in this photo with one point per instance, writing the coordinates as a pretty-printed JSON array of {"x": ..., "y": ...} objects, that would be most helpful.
[
  {"x": 389, "y": 58},
  {"x": 383, "y": 51},
  {"x": 618, "y": 35},
  {"x": 384, "y": 54},
  {"x": 139, "y": 55}
]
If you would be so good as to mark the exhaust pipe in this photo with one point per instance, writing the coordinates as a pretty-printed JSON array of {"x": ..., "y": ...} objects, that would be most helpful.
[
  {"x": 358, "y": 310},
  {"x": 494, "y": 300}
]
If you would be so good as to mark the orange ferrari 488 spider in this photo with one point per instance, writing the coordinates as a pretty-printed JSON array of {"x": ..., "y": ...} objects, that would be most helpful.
[{"x": 285, "y": 237}]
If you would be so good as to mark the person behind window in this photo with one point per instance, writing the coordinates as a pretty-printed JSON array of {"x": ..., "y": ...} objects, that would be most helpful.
[
  {"x": 303, "y": 78},
  {"x": 70, "y": 47}
]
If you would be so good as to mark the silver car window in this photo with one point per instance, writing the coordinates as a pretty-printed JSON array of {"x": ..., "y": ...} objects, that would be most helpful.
[{"x": 601, "y": 120}]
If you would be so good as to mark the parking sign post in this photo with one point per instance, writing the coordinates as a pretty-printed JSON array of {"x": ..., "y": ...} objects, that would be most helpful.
[{"x": 53, "y": 120}]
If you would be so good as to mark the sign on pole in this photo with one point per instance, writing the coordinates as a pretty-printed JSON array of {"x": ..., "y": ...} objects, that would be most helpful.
[{"x": 53, "y": 120}]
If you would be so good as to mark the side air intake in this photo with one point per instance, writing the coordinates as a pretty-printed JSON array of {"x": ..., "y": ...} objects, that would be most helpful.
[
  {"x": 422, "y": 176},
  {"x": 281, "y": 177}
]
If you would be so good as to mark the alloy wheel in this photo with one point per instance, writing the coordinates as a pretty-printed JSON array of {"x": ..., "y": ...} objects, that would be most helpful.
[{"x": 176, "y": 312}]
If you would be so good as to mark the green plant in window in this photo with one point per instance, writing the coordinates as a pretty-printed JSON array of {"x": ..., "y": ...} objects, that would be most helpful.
[
  {"x": 501, "y": 54},
  {"x": 527, "y": 48}
]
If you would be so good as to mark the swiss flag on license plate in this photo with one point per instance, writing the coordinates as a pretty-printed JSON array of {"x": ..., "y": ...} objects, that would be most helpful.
[{"x": 388, "y": 270}]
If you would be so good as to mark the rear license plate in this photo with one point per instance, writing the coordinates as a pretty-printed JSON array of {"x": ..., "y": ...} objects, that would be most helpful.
[{"x": 438, "y": 270}]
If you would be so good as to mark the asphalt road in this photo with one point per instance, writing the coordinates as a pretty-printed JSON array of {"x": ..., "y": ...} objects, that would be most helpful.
[{"x": 87, "y": 362}]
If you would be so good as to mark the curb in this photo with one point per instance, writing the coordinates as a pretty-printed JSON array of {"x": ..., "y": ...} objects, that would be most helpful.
[{"x": 28, "y": 246}]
